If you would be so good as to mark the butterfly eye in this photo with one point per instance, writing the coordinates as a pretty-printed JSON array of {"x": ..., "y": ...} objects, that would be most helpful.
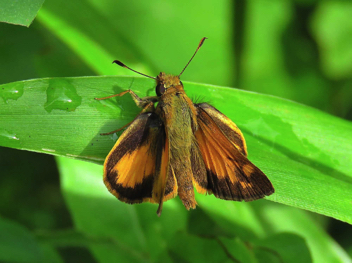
[{"x": 160, "y": 89}]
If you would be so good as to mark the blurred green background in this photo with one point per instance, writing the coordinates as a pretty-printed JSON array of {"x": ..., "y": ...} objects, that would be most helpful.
[{"x": 298, "y": 50}]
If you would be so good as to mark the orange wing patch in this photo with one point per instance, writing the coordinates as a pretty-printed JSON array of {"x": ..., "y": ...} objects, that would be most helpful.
[
  {"x": 227, "y": 126},
  {"x": 230, "y": 175},
  {"x": 143, "y": 165}
]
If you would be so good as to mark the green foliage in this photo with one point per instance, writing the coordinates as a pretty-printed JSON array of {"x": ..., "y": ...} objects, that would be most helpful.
[
  {"x": 297, "y": 50},
  {"x": 17, "y": 244},
  {"x": 66, "y": 112},
  {"x": 19, "y": 12}
]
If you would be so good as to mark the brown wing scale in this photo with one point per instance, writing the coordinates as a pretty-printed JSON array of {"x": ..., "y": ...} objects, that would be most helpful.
[
  {"x": 227, "y": 126},
  {"x": 229, "y": 174}
]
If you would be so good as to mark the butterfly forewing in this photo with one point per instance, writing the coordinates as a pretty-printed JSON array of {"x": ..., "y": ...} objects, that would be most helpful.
[
  {"x": 228, "y": 128},
  {"x": 229, "y": 174}
]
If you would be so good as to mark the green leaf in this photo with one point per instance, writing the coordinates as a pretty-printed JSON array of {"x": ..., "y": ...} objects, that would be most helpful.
[
  {"x": 187, "y": 248},
  {"x": 17, "y": 244},
  {"x": 305, "y": 153},
  {"x": 285, "y": 247},
  {"x": 332, "y": 26},
  {"x": 20, "y": 12},
  {"x": 277, "y": 219},
  {"x": 50, "y": 254}
]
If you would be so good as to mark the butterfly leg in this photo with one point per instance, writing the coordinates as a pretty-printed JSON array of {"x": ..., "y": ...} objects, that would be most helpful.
[
  {"x": 140, "y": 102},
  {"x": 147, "y": 108},
  {"x": 119, "y": 129}
]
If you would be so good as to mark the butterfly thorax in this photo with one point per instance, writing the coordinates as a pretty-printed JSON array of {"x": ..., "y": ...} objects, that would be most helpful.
[{"x": 174, "y": 107}]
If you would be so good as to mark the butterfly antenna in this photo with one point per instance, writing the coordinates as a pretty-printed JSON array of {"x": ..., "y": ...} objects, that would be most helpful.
[
  {"x": 118, "y": 62},
  {"x": 199, "y": 45}
]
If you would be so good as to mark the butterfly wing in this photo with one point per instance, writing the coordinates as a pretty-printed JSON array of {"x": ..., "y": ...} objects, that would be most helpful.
[
  {"x": 136, "y": 168},
  {"x": 165, "y": 186},
  {"x": 227, "y": 126},
  {"x": 199, "y": 171},
  {"x": 229, "y": 174}
]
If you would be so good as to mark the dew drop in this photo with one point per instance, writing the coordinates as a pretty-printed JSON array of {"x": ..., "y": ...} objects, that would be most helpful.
[
  {"x": 61, "y": 95},
  {"x": 8, "y": 138},
  {"x": 11, "y": 91}
]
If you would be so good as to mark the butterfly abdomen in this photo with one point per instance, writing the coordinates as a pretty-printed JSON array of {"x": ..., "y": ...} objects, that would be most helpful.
[{"x": 179, "y": 124}]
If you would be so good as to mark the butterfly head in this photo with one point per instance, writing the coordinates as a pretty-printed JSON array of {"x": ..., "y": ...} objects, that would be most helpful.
[{"x": 165, "y": 81}]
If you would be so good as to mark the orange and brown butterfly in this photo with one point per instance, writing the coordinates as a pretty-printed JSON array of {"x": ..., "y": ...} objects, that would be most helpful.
[{"x": 169, "y": 149}]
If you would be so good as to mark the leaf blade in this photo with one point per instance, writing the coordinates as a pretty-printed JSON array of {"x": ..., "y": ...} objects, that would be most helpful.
[
  {"x": 295, "y": 145},
  {"x": 20, "y": 12}
]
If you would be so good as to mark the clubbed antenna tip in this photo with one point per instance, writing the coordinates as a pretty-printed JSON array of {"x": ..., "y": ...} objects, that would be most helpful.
[
  {"x": 118, "y": 62},
  {"x": 199, "y": 45}
]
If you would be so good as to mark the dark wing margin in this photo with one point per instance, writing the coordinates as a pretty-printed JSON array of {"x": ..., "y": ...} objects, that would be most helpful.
[
  {"x": 130, "y": 167},
  {"x": 230, "y": 175},
  {"x": 227, "y": 126}
]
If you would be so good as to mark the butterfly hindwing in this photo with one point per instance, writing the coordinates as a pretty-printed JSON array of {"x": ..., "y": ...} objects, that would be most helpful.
[
  {"x": 199, "y": 171},
  {"x": 165, "y": 186},
  {"x": 229, "y": 174},
  {"x": 136, "y": 167}
]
